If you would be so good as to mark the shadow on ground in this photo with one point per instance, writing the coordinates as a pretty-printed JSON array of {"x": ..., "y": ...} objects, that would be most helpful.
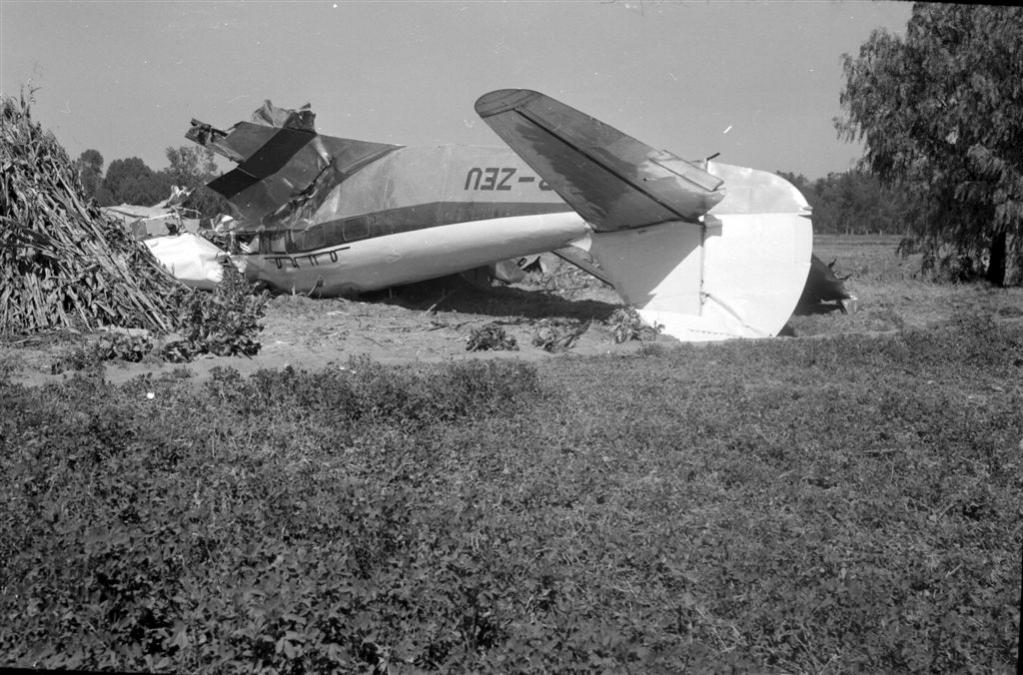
[{"x": 455, "y": 294}]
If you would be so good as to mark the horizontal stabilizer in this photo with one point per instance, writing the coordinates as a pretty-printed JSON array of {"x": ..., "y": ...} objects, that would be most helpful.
[{"x": 612, "y": 180}]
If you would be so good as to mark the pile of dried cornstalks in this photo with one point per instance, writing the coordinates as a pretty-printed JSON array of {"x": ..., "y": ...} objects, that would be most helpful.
[{"x": 62, "y": 263}]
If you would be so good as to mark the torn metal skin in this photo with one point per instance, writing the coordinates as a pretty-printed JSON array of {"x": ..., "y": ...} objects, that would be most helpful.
[{"x": 167, "y": 217}]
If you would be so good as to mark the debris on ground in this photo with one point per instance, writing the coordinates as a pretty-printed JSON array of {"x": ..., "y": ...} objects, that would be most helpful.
[
  {"x": 491, "y": 336},
  {"x": 558, "y": 335},
  {"x": 193, "y": 260},
  {"x": 823, "y": 287},
  {"x": 626, "y": 324},
  {"x": 167, "y": 217}
]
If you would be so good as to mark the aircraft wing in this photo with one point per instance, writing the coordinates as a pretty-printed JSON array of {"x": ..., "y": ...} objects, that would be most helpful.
[{"x": 612, "y": 180}]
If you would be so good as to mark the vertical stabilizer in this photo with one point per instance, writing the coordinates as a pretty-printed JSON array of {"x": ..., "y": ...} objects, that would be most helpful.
[{"x": 739, "y": 274}]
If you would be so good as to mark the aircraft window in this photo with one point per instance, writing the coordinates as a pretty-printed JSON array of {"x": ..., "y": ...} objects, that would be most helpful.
[
  {"x": 331, "y": 233},
  {"x": 278, "y": 241},
  {"x": 356, "y": 229},
  {"x": 311, "y": 239}
]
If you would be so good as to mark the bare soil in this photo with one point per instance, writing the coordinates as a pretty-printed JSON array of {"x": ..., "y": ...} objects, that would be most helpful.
[{"x": 429, "y": 322}]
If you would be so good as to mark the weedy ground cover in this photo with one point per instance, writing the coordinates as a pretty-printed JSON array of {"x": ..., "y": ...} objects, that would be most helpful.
[{"x": 779, "y": 506}]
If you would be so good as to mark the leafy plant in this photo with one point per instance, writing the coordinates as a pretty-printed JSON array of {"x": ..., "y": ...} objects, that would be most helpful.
[
  {"x": 224, "y": 322},
  {"x": 491, "y": 336},
  {"x": 721, "y": 507},
  {"x": 107, "y": 346},
  {"x": 558, "y": 335},
  {"x": 626, "y": 324}
]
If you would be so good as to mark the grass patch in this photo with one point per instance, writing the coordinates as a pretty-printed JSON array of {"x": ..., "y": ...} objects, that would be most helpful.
[{"x": 779, "y": 506}]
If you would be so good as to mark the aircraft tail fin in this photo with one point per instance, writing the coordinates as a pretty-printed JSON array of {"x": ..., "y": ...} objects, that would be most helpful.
[
  {"x": 738, "y": 275},
  {"x": 281, "y": 159},
  {"x": 707, "y": 250}
]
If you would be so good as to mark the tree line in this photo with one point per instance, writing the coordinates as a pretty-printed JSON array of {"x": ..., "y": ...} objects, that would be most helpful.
[
  {"x": 851, "y": 202},
  {"x": 131, "y": 181}
]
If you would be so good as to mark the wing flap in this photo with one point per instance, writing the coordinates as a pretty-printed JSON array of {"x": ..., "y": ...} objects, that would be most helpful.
[{"x": 611, "y": 179}]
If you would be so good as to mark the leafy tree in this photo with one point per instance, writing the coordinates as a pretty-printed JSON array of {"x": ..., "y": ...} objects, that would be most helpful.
[
  {"x": 90, "y": 171},
  {"x": 130, "y": 181},
  {"x": 941, "y": 115},
  {"x": 193, "y": 167},
  {"x": 190, "y": 166},
  {"x": 851, "y": 202}
]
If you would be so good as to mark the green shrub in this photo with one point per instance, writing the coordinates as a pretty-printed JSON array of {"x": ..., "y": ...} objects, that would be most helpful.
[
  {"x": 224, "y": 322},
  {"x": 108, "y": 346},
  {"x": 490, "y": 336},
  {"x": 626, "y": 324},
  {"x": 554, "y": 335}
]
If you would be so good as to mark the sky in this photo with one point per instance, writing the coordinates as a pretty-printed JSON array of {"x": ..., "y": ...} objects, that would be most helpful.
[{"x": 757, "y": 82}]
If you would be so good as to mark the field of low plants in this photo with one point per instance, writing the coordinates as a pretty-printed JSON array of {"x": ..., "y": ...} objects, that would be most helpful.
[
  {"x": 779, "y": 506},
  {"x": 825, "y": 504}
]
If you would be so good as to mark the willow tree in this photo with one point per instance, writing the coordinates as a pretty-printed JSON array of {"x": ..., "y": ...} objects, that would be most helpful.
[{"x": 940, "y": 112}]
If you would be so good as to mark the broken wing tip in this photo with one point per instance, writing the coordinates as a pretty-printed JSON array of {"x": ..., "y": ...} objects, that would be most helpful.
[{"x": 503, "y": 100}]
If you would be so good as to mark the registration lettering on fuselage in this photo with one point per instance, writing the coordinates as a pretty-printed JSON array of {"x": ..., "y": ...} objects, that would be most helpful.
[{"x": 498, "y": 178}]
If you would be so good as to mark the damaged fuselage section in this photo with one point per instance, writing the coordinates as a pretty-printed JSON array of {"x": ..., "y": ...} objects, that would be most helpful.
[
  {"x": 707, "y": 250},
  {"x": 305, "y": 200}
]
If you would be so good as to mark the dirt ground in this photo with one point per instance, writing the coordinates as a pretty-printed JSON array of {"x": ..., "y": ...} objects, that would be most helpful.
[
  {"x": 432, "y": 322},
  {"x": 429, "y": 322}
]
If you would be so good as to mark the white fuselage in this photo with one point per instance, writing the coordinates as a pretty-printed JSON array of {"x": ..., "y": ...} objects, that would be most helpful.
[{"x": 408, "y": 257}]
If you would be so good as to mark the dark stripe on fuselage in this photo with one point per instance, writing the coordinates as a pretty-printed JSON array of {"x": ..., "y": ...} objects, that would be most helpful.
[
  {"x": 270, "y": 158},
  {"x": 396, "y": 221}
]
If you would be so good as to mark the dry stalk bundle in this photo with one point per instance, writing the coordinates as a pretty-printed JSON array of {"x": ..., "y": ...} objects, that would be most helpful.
[{"x": 62, "y": 262}]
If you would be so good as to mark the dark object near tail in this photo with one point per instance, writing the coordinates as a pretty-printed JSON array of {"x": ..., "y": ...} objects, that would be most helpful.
[{"x": 823, "y": 286}]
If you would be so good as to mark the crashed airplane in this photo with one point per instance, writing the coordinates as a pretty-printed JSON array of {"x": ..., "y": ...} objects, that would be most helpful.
[{"x": 707, "y": 250}]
